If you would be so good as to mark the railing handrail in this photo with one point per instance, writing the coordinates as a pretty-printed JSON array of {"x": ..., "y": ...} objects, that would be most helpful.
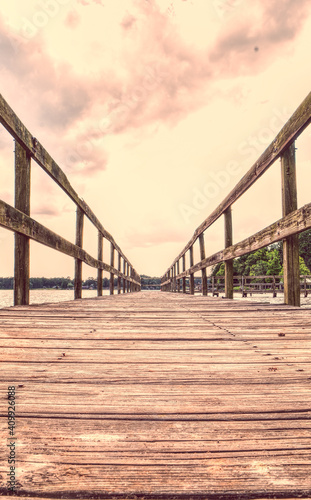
[
  {"x": 300, "y": 119},
  {"x": 294, "y": 220},
  {"x": 18, "y": 219},
  {"x": 16, "y": 128}
]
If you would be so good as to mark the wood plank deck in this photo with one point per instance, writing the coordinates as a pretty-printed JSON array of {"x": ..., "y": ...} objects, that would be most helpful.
[{"x": 158, "y": 395}]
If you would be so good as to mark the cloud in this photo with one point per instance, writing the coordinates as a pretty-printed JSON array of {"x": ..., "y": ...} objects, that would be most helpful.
[
  {"x": 128, "y": 22},
  {"x": 156, "y": 75},
  {"x": 154, "y": 234},
  {"x": 72, "y": 20},
  {"x": 50, "y": 209},
  {"x": 258, "y": 37}
]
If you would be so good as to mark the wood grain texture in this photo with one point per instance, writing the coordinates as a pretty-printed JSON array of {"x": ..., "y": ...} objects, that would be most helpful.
[
  {"x": 291, "y": 243},
  {"x": 21, "y": 242},
  {"x": 287, "y": 135},
  {"x": 36, "y": 151},
  {"x": 15, "y": 220},
  {"x": 294, "y": 223},
  {"x": 157, "y": 395}
]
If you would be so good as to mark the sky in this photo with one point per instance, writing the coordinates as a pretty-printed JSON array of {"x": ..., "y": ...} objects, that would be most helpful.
[{"x": 154, "y": 109}]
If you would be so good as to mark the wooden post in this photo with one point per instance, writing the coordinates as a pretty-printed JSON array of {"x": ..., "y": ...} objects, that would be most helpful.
[
  {"x": 174, "y": 278},
  {"x": 124, "y": 272},
  {"x": 119, "y": 269},
  {"x": 112, "y": 265},
  {"x": 202, "y": 256},
  {"x": 131, "y": 283},
  {"x": 78, "y": 262},
  {"x": 191, "y": 274},
  {"x": 228, "y": 263},
  {"x": 291, "y": 243},
  {"x": 184, "y": 278},
  {"x": 127, "y": 281},
  {"x": 100, "y": 271},
  {"x": 22, "y": 203},
  {"x": 178, "y": 281},
  {"x": 274, "y": 287},
  {"x": 305, "y": 286}
]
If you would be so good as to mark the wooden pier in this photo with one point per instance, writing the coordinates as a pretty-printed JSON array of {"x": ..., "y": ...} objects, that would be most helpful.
[{"x": 158, "y": 395}]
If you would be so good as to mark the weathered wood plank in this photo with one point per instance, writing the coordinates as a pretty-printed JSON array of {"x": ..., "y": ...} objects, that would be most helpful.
[
  {"x": 35, "y": 150},
  {"x": 21, "y": 247},
  {"x": 158, "y": 394},
  {"x": 100, "y": 271},
  {"x": 291, "y": 243},
  {"x": 291, "y": 130},
  {"x": 202, "y": 257},
  {"x": 112, "y": 249},
  {"x": 228, "y": 263},
  {"x": 14, "y": 220},
  {"x": 296, "y": 222},
  {"x": 78, "y": 262}
]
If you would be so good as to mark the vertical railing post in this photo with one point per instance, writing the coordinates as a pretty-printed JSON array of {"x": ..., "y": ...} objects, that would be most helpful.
[
  {"x": 174, "y": 278},
  {"x": 184, "y": 278},
  {"x": 228, "y": 263},
  {"x": 112, "y": 265},
  {"x": 274, "y": 287},
  {"x": 78, "y": 262},
  {"x": 178, "y": 281},
  {"x": 202, "y": 257},
  {"x": 22, "y": 203},
  {"x": 291, "y": 243},
  {"x": 128, "y": 283},
  {"x": 119, "y": 269},
  {"x": 191, "y": 274},
  {"x": 124, "y": 272},
  {"x": 100, "y": 271},
  {"x": 131, "y": 283}
]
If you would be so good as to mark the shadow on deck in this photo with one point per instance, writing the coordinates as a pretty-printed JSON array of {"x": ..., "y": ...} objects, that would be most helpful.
[{"x": 157, "y": 395}]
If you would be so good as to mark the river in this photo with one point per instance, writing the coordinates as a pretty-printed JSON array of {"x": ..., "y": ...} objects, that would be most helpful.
[
  {"x": 47, "y": 296},
  {"x": 42, "y": 296}
]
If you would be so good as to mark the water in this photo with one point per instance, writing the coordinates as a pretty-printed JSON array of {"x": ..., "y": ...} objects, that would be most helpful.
[
  {"x": 42, "y": 296},
  {"x": 48, "y": 296}
]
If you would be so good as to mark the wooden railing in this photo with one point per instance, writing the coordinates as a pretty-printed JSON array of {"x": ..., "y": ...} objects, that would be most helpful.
[
  {"x": 18, "y": 219},
  {"x": 252, "y": 285},
  {"x": 294, "y": 220}
]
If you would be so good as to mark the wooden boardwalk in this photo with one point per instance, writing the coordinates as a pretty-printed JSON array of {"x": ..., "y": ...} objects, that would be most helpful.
[{"x": 158, "y": 395}]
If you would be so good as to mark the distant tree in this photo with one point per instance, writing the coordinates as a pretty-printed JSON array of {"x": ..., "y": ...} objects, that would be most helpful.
[
  {"x": 303, "y": 269},
  {"x": 274, "y": 263},
  {"x": 260, "y": 268},
  {"x": 305, "y": 247}
]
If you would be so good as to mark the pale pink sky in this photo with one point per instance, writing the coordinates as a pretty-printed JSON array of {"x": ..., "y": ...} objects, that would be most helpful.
[{"x": 154, "y": 109}]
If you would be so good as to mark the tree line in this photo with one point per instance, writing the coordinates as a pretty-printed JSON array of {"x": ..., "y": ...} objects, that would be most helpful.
[
  {"x": 269, "y": 260},
  {"x": 68, "y": 283},
  {"x": 264, "y": 262}
]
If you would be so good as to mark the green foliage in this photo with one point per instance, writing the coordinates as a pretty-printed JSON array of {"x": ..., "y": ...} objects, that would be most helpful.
[
  {"x": 274, "y": 263},
  {"x": 303, "y": 269},
  {"x": 150, "y": 280},
  {"x": 260, "y": 268},
  {"x": 305, "y": 247},
  {"x": 267, "y": 261}
]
